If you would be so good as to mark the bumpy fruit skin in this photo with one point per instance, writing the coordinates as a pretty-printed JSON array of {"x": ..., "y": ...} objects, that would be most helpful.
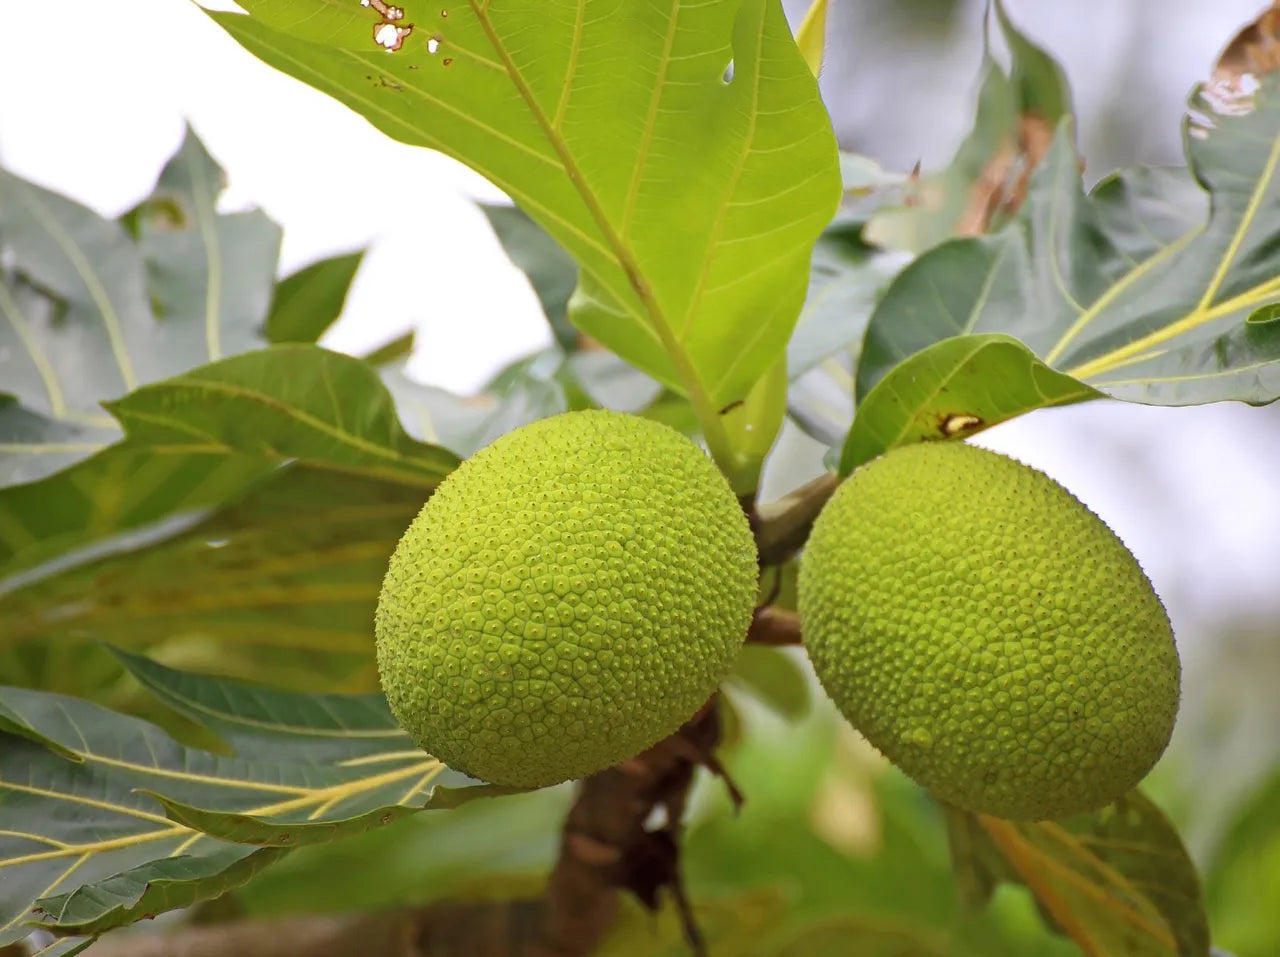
[
  {"x": 569, "y": 596},
  {"x": 988, "y": 633}
]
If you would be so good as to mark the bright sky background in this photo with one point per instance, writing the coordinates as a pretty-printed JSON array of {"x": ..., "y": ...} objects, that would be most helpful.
[{"x": 93, "y": 99}]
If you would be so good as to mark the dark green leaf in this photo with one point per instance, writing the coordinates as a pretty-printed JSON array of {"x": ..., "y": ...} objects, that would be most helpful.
[
  {"x": 117, "y": 499},
  {"x": 1122, "y": 289},
  {"x": 114, "y": 835},
  {"x": 285, "y": 580},
  {"x": 748, "y": 168},
  {"x": 398, "y": 348},
  {"x": 289, "y": 402},
  {"x": 952, "y": 389},
  {"x": 310, "y": 300}
]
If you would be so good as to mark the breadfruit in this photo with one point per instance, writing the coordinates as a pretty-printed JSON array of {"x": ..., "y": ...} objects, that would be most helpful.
[
  {"x": 988, "y": 633},
  {"x": 569, "y": 596}
]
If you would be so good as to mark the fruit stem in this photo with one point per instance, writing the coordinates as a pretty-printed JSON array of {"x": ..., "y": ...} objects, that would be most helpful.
[
  {"x": 774, "y": 626},
  {"x": 782, "y": 527}
]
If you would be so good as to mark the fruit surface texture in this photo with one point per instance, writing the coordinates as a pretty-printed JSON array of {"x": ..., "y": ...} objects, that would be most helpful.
[
  {"x": 988, "y": 633},
  {"x": 569, "y": 596}
]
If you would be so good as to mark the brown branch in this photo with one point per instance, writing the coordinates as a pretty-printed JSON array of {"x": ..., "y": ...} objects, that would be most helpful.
[
  {"x": 774, "y": 626},
  {"x": 605, "y": 848}
]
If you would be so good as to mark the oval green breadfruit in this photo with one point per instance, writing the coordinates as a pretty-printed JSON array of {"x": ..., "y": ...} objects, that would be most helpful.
[
  {"x": 988, "y": 633},
  {"x": 571, "y": 595}
]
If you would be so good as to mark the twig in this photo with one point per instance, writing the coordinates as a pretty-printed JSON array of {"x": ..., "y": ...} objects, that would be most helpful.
[
  {"x": 782, "y": 527},
  {"x": 774, "y": 626}
]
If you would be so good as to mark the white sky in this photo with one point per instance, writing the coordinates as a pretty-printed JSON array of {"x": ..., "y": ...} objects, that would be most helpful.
[{"x": 92, "y": 102}]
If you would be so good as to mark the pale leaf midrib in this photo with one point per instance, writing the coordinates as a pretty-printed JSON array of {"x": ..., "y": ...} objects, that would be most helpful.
[{"x": 87, "y": 274}]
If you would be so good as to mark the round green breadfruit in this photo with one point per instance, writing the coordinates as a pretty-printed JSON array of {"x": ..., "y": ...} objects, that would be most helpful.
[
  {"x": 988, "y": 633},
  {"x": 569, "y": 596}
]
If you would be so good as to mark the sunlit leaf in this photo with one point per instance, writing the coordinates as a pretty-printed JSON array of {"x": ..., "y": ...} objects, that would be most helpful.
[
  {"x": 955, "y": 388},
  {"x": 92, "y": 308},
  {"x": 610, "y": 130},
  {"x": 114, "y": 834},
  {"x": 811, "y": 35}
]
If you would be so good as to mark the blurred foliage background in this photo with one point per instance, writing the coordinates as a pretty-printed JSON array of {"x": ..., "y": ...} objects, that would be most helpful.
[{"x": 830, "y": 837}]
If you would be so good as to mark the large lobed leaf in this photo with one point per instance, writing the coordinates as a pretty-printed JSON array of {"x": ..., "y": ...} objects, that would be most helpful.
[
  {"x": 105, "y": 819},
  {"x": 689, "y": 201},
  {"x": 93, "y": 308},
  {"x": 1126, "y": 288}
]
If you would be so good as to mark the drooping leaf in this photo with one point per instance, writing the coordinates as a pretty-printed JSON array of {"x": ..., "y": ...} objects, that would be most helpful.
[
  {"x": 1117, "y": 881},
  {"x": 288, "y": 402},
  {"x": 955, "y": 388},
  {"x": 310, "y": 300},
  {"x": 118, "y": 498},
  {"x": 986, "y": 182},
  {"x": 609, "y": 129},
  {"x": 284, "y": 580},
  {"x": 1125, "y": 288},
  {"x": 115, "y": 833},
  {"x": 92, "y": 308}
]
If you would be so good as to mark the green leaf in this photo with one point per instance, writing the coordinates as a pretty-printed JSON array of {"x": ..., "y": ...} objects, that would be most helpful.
[
  {"x": 289, "y": 402},
  {"x": 846, "y": 279},
  {"x": 1117, "y": 881},
  {"x": 91, "y": 308},
  {"x": 310, "y": 300},
  {"x": 271, "y": 723},
  {"x": 1243, "y": 871},
  {"x": 865, "y": 936},
  {"x": 551, "y": 271},
  {"x": 119, "y": 832},
  {"x": 608, "y": 129},
  {"x": 1122, "y": 289},
  {"x": 773, "y": 676},
  {"x": 952, "y": 389},
  {"x": 530, "y": 388},
  {"x": 283, "y": 581},
  {"x": 987, "y": 179},
  {"x": 118, "y": 498},
  {"x": 753, "y": 425}
]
